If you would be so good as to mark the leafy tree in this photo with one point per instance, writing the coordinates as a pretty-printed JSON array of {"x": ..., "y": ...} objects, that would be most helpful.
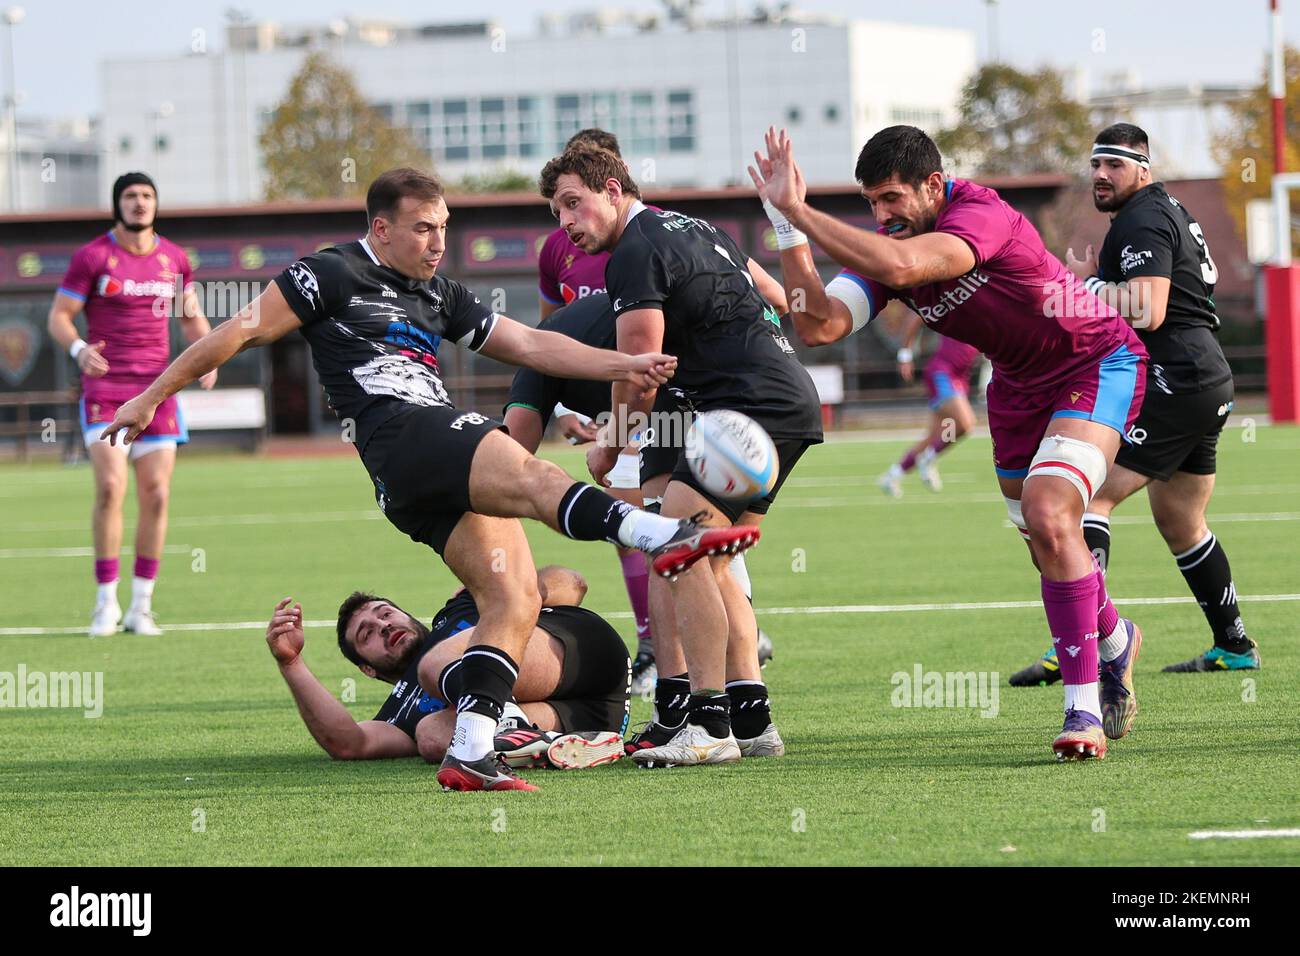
[
  {"x": 1244, "y": 150},
  {"x": 1013, "y": 123},
  {"x": 324, "y": 141}
]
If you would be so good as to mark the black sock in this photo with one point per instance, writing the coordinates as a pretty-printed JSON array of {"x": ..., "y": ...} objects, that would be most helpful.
[
  {"x": 588, "y": 514},
  {"x": 1096, "y": 533},
  {"x": 487, "y": 679},
  {"x": 751, "y": 711},
  {"x": 711, "y": 709},
  {"x": 1208, "y": 575},
  {"x": 672, "y": 698}
]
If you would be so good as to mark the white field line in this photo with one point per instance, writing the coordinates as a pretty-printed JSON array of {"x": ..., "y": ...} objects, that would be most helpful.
[
  {"x": 623, "y": 615},
  {"x": 1242, "y": 834},
  {"x": 75, "y": 552}
]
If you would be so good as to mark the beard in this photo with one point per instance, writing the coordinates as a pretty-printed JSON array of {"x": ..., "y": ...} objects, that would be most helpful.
[
  {"x": 137, "y": 226},
  {"x": 409, "y": 656}
]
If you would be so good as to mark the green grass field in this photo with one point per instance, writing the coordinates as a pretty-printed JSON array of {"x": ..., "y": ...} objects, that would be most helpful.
[{"x": 199, "y": 719}]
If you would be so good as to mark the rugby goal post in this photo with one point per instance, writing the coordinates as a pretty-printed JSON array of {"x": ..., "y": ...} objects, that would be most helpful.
[{"x": 1282, "y": 318}]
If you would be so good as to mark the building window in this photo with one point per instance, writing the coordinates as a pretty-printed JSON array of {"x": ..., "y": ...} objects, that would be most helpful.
[
  {"x": 681, "y": 121},
  {"x": 568, "y": 118},
  {"x": 528, "y": 126},
  {"x": 124, "y": 144},
  {"x": 832, "y": 113},
  {"x": 642, "y": 126},
  {"x": 492, "y": 127},
  {"x": 916, "y": 116},
  {"x": 385, "y": 110},
  {"x": 455, "y": 129},
  {"x": 419, "y": 120},
  {"x": 792, "y": 114}
]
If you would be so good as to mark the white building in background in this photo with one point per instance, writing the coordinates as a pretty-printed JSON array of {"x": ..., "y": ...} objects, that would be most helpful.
[
  {"x": 57, "y": 166},
  {"x": 689, "y": 101}
]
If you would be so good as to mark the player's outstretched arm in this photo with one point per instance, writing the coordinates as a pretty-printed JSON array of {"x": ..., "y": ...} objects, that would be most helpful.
[
  {"x": 195, "y": 325},
  {"x": 262, "y": 321},
  {"x": 329, "y": 722},
  {"x": 554, "y": 354},
  {"x": 897, "y": 263}
]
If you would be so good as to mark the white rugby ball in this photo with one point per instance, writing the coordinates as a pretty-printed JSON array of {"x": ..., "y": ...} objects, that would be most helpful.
[{"x": 731, "y": 455}]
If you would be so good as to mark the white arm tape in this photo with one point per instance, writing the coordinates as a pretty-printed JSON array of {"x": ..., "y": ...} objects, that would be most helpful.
[
  {"x": 787, "y": 236},
  {"x": 853, "y": 296},
  {"x": 560, "y": 411},
  {"x": 75, "y": 348}
]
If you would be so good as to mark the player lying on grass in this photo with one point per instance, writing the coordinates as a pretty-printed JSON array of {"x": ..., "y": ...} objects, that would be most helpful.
[
  {"x": 638, "y": 477},
  {"x": 571, "y": 699},
  {"x": 374, "y": 312},
  {"x": 1068, "y": 373}
]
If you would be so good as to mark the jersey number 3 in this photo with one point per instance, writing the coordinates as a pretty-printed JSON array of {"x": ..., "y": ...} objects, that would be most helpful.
[{"x": 1209, "y": 271}]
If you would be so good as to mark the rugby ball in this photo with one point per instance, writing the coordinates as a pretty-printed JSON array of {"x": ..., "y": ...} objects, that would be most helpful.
[{"x": 731, "y": 455}]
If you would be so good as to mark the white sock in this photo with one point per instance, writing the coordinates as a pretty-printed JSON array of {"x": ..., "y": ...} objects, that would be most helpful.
[
  {"x": 142, "y": 593},
  {"x": 106, "y": 594},
  {"x": 1114, "y": 644},
  {"x": 472, "y": 739},
  {"x": 1084, "y": 697},
  {"x": 741, "y": 574},
  {"x": 512, "y": 711},
  {"x": 896, "y": 470},
  {"x": 645, "y": 531}
]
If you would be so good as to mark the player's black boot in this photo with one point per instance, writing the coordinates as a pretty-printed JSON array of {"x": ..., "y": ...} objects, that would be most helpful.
[{"x": 1040, "y": 673}]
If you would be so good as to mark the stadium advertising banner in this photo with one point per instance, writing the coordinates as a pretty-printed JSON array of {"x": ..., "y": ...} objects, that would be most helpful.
[{"x": 497, "y": 250}]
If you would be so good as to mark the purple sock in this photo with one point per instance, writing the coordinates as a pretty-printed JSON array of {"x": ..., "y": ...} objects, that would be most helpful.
[
  {"x": 1107, "y": 616},
  {"x": 908, "y": 462},
  {"x": 637, "y": 579},
  {"x": 1072, "y": 620},
  {"x": 146, "y": 568},
  {"x": 105, "y": 570},
  {"x": 937, "y": 444}
]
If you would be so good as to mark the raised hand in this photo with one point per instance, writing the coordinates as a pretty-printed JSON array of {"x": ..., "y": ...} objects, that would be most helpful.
[
  {"x": 776, "y": 175},
  {"x": 284, "y": 635}
]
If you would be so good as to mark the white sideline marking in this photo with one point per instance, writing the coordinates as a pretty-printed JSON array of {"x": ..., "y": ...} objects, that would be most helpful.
[
  {"x": 74, "y": 552},
  {"x": 1242, "y": 834},
  {"x": 624, "y": 615}
]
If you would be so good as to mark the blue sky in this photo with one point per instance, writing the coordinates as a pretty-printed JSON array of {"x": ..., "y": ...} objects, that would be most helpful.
[{"x": 61, "y": 42}]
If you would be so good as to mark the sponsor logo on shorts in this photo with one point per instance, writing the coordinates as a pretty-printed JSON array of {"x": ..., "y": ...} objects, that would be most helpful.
[
  {"x": 469, "y": 418},
  {"x": 1075, "y": 396},
  {"x": 1136, "y": 435}
]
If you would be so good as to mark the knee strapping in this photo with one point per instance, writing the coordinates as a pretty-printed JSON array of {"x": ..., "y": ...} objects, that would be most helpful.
[{"x": 1080, "y": 463}]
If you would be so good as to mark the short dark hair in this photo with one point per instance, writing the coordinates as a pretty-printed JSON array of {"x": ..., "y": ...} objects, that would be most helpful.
[
  {"x": 597, "y": 137},
  {"x": 388, "y": 189},
  {"x": 592, "y": 164},
  {"x": 902, "y": 151},
  {"x": 1124, "y": 134},
  {"x": 351, "y": 604}
]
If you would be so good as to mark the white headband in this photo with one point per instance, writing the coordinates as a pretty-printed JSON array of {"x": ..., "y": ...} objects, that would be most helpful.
[{"x": 1121, "y": 152}]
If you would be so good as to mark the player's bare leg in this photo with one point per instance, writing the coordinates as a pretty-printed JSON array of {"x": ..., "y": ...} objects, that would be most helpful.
[
  {"x": 1082, "y": 620},
  {"x": 1178, "y": 506},
  {"x": 700, "y": 615},
  {"x": 491, "y": 557},
  {"x": 949, "y": 423},
  {"x": 153, "y": 478},
  {"x": 109, "y": 465},
  {"x": 1120, "y": 484},
  {"x": 507, "y": 481}
]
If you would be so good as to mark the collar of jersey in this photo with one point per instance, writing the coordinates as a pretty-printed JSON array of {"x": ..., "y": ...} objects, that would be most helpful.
[
  {"x": 633, "y": 211},
  {"x": 141, "y": 255}
]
